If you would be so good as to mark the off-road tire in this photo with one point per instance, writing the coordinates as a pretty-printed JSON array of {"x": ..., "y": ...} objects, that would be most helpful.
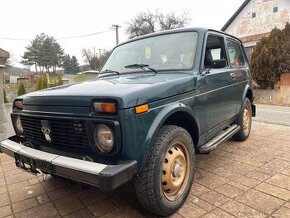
[
  {"x": 243, "y": 134},
  {"x": 148, "y": 185}
]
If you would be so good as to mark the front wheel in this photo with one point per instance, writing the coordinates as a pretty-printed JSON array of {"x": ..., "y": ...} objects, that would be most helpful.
[
  {"x": 244, "y": 120},
  {"x": 165, "y": 180}
]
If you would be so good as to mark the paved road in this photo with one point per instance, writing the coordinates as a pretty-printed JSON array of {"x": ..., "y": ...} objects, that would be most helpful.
[{"x": 273, "y": 114}]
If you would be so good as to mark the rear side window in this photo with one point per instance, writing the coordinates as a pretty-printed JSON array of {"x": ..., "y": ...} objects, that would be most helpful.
[{"x": 235, "y": 53}]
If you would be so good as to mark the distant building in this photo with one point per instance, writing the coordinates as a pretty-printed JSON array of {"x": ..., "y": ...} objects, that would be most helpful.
[
  {"x": 13, "y": 79},
  {"x": 255, "y": 19},
  {"x": 90, "y": 74},
  {"x": 24, "y": 80}
]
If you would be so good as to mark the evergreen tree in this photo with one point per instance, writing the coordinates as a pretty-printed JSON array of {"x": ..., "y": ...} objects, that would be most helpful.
[
  {"x": 44, "y": 53},
  {"x": 21, "y": 90},
  {"x": 70, "y": 64},
  {"x": 5, "y": 96},
  {"x": 75, "y": 65},
  {"x": 41, "y": 83},
  {"x": 269, "y": 54}
]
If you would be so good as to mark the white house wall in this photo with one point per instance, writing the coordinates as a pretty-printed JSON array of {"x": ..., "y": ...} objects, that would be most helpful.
[{"x": 265, "y": 20}]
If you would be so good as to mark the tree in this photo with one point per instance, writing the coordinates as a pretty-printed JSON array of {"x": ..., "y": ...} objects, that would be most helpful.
[
  {"x": 93, "y": 60},
  {"x": 70, "y": 64},
  {"x": 41, "y": 83},
  {"x": 149, "y": 22},
  {"x": 21, "y": 90},
  {"x": 5, "y": 96},
  {"x": 44, "y": 53},
  {"x": 270, "y": 53}
]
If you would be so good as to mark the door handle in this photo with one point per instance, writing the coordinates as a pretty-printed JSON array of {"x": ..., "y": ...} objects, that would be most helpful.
[{"x": 233, "y": 75}]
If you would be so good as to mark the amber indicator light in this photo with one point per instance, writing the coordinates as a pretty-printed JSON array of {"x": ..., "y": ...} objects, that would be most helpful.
[
  {"x": 141, "y": 109},
  {"x": 105, "y": 107}
]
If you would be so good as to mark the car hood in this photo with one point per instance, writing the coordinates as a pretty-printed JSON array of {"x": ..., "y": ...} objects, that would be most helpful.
[{"x": 129, "y": 90}]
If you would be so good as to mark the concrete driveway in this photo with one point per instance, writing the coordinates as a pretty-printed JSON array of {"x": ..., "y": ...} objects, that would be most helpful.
[{"x": 239, "y": 179}]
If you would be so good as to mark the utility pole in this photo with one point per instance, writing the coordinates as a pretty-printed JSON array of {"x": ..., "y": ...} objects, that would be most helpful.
[
  {"x": 100, "y": 52},
  {"x": 117, "y": 32}
]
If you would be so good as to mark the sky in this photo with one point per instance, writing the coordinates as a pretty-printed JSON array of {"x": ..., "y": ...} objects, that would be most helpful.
[{"x": 22, "y": 20}]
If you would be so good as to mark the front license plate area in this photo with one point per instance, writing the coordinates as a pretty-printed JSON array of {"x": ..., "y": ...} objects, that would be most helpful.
[{"x": 32, "y": 165}]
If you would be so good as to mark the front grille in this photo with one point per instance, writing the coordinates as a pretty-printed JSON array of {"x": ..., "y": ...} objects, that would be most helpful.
[{"x": 64, "y": 133}]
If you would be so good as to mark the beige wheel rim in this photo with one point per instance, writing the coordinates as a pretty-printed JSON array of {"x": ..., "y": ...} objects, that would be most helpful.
[
  {"x": 175, "y": 171},
  {"x": 246, "y": 120}
]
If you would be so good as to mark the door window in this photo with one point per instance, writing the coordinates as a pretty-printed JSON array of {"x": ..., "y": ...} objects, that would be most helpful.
[
  {"x": 236, "y": 56},
  {"x": 215, "y": 50}
]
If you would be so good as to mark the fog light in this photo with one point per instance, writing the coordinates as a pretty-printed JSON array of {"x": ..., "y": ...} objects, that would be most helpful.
[
  {"x": 104, "y": 138},
  {"x": 18, "y": 125}
]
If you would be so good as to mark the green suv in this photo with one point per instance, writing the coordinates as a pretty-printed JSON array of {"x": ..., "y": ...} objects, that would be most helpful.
[{"x": 158, "y": 100}]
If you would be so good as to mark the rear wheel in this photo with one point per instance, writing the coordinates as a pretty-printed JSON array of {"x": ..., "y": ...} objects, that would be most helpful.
[
  {"x": 244, "y": 120},
  {"x": 166, "y": 179}
]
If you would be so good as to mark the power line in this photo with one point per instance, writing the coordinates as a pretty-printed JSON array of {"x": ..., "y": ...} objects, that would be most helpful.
[
  {"x": 62, "y": 38},
  {"x": 14, "y": 39},
  {"x": 80, "y": 36}
]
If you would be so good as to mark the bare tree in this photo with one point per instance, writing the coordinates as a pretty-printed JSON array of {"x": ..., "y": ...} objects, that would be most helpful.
[
  {"x": 93, "y": 60},
  {"x": 149, "y": 22},
  {"x": 172, "y": 21},
  {"x": 90, "y": 57}
]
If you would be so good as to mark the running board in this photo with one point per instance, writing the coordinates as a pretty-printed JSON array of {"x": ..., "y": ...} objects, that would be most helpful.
[{"x": 223, "y": 136}]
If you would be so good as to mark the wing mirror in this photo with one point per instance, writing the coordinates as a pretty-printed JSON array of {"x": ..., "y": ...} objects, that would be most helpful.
[{"x": 219, "y": 63}]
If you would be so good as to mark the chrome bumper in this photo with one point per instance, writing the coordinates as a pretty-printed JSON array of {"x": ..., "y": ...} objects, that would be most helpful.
[{"x": 106, "y": 177}]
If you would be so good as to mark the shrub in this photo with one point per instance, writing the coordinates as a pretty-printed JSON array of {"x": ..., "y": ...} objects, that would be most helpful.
[
  {"x": 21, "y": 90},
  {"x": 268, "y": 56},
  {"x": 41, "y": 83},
  {"x": 5, "y": 96}
]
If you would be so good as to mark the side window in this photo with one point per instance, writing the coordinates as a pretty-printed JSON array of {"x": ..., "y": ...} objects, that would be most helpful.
[
  {"x": 236, "y": 56},
  {"x": 215, "y": 50}
]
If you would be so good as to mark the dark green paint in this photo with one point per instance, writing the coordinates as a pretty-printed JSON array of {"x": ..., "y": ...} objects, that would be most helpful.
[{"x": 211, "y": 100}]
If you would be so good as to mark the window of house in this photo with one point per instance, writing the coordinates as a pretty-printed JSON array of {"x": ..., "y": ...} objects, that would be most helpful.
[
  {"x": 236, "y": 56},
  {"x": 275, "y": 9},
  {"x": 253, "y": 14},
  {"x": 215, "y": 50}
]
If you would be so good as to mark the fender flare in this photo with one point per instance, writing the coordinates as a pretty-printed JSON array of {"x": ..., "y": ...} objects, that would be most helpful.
[{"x": 163, "y": 115}]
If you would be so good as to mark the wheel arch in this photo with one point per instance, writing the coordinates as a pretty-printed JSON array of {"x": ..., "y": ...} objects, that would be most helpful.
[
  {"x": 248, "y": 92},
  {"x": 176, "y": 114}
]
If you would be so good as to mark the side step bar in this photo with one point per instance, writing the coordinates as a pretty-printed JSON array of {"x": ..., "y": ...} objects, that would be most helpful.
[{"x": 223, "y": 136}]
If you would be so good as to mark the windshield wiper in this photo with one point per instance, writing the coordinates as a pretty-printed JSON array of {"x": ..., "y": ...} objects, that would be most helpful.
[
  {"x": 141, "y": 66},
  {"x": 110, "y": 71}
]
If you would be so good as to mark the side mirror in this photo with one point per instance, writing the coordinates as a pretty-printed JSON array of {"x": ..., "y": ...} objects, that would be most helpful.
[{"x": 220, "y": 63}]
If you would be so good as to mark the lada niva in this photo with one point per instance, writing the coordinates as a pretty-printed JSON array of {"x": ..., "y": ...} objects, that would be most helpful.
[{"x": 158, "y": 100}]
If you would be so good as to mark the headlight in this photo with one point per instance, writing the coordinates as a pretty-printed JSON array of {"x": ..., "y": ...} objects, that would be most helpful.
[
  {"x": 18, "y": 125},
  {"x": 104, "y": 138}
]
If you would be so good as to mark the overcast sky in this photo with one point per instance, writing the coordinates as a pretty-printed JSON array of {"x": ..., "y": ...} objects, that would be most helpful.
[{"x": 24, "y": 19}]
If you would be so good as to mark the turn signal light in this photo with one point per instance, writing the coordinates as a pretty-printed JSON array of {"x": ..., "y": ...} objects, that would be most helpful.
[
  {"x": 141, "y": 109},
  {"x": 18, "y": 104},
  {"x": 108, "y": 107}
]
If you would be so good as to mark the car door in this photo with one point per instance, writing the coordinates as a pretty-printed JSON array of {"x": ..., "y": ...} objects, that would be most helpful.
[
  {"x": 219, "y": 81},
  {"x": 239, "y": 69}
]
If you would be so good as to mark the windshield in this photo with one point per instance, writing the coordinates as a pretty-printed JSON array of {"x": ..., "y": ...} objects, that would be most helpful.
[{"x": 174, "y": 51}]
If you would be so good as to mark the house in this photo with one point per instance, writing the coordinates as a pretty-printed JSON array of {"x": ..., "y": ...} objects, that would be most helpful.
[
  {"x": 89, "y": 74},
  {"x": 255, "y": 19}
]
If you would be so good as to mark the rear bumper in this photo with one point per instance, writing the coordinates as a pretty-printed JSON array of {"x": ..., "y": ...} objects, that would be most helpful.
[{"x": 106, "y": 177}]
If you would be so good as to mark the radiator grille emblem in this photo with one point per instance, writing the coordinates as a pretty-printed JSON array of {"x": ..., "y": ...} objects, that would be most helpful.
[{"x": 46, "y": 130}]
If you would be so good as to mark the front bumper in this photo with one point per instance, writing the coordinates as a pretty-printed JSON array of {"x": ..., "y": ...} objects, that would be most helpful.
[{"x": 106, "y": 177}]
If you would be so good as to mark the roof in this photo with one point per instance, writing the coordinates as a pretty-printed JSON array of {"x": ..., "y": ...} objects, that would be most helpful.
[
  {"x": 235, "y": 15},
  {"x": 4, "y": 54}
]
